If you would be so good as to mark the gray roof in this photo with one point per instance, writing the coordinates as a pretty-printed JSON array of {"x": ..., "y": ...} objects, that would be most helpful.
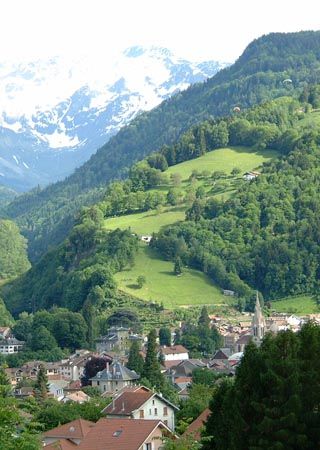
[
  {"x": 116, "y": 371},
  {"x": 11, "y": 341}
]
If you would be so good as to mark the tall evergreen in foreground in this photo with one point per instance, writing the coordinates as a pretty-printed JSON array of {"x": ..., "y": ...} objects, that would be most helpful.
[{"x": 274, "y": 401}]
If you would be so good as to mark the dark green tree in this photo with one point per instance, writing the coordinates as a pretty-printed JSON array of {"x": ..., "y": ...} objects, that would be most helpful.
[
  {"x": 151, "y": 369},
  {"x": 173, "y": 196},
  {"x": 5, "y": 387},
  {"x": 204, "y": 320},
  {"x": 135, "y": 359},
  {"x": 235, "y": 171},
  {"x": 42, "y": 339},
  {"x": 41, "y": 387},
  {"x": 178, "y": 267},
  {"x": 165, "y": 336},
  {"x": 141, "y": 280},
  {"x": 267, "y": 398}
]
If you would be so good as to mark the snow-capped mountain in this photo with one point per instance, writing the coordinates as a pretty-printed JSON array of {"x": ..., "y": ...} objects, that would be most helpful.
[{"x": 54, "y": 114}]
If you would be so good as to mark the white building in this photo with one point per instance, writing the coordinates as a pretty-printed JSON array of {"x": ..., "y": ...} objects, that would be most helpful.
[
  {"x": 174, "y": 353},
  {"x": 141, "y": 403},
  {"x": 10, "y": 346},
  {"x": 56, "y": 388},
  {"x": 72, "y": 369}
]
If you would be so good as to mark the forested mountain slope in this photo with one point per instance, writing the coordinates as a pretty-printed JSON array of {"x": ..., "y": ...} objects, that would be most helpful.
[
  {"x": 13, "y": 251},
  {"x": 264, "y": 236},
  {"x": 6, "y": 195},
  {"x": 46, "y": 216}
]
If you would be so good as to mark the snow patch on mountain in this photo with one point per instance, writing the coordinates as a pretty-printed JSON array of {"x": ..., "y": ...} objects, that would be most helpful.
[{"x": 57, "y": 106}]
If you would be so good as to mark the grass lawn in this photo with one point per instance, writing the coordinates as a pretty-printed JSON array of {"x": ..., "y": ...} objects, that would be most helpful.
[
  {"x": 146, "y": 222},
  {"x": 191, "y": 288},
  {"x": 303, "y": 304},
  {"x": 224, "y": 159}
]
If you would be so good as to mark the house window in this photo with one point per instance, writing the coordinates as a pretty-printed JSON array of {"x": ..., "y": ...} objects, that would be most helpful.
[
  {"x": 155, "y": 411},
  {"x": 150, "y": 412},
  {"x": 153, "y": 402},
  {"x": 148, "y": 446},
  {"x": 141, "y": 414},
  {"x": 165, "y": 410},
  {"x": 98, "y": 383}
]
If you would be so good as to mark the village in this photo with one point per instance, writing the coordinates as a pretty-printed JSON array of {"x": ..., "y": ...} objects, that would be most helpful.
[{"x": 134, "y": 406}]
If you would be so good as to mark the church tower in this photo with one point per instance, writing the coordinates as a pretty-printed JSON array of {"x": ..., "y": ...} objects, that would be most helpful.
[{"x": 258, "y": 323}]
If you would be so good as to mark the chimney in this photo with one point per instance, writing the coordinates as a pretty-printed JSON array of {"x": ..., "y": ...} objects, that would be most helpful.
[
  {"x": 107, "y": 367},
  {"x": 122, "y": 406},
  {"x": 113, "y": 404}
]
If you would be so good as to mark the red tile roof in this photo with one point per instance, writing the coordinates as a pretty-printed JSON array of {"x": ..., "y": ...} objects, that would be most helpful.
[
  {"x": 169, "y": 364},
  {"x": 128, "y": 402},
  {"x": 74, "y": 385},
  {"x": 61, "y": 444},
  {"x": 195, "y": 427},
  {"x": 120, "y": 434},
  {"x": 77, "y": 429},
  {"x": 183, "y": 380},
  {"x": 174, "y": 350}
]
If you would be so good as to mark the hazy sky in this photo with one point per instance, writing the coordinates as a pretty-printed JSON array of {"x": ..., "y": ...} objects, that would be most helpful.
[{"x": 194, "y": 29}]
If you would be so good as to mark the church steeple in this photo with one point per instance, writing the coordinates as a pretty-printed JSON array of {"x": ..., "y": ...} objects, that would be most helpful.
[{"x": 258, "y": 323}]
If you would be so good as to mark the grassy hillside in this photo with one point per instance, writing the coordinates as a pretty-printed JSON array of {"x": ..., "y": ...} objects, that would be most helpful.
[
  {"x": 224, "y": 159},
  {"x": 193, "y": 288},
  {"x": 163, "y": 286},
  {"x": 147, "y": 222},
  {"x": 302, "y": 304}
]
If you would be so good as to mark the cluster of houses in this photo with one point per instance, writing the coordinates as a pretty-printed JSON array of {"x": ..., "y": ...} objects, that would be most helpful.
[
  {"x": 237, "y": 335},
  {"x": 137, "y": 418}
]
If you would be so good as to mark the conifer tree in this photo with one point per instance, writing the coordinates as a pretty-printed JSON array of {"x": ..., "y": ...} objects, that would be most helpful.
[
  {"x": 165, "y": 336},
  {"x": 204, "y": 320},
  {"x": 267, "y": 399},
  {"x": 135, "y": 360},
  {"x": 88, "y": 312},
  {"x": 178, "y": 266},
  {"x": 151, "y": 368},
  {"x": 4, "y": 384},
  {"x": 41, "y": 388}
]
